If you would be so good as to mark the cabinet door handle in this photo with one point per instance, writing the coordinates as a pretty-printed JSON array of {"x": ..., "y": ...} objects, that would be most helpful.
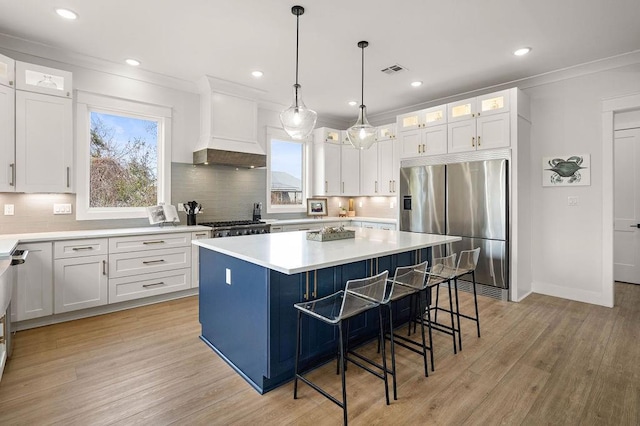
[
  {"x": 326, "y": 186},
  {"x": 153, "y": 242},
  {"x": 104, "y": 267},
  {"x": 306, "y": 290},
  {"x": 204, "y": 234},
  {"x": 473, "y": 141},
  {"x": 418, "y": 148},
  {"x": 478, "y": 140},
  {"x": 376, "y": 187},
  {"x": 390, "y": 190},
  {"x": 68, "y": 177},
  {"x": 82, "y": 248},
  {"x": 314, "y": 294},
  {"x": 343, "y": 187},
  {"x": 152, "y": 285},
  {"x": 394, "y": 185},
  {"x": 151, "y": 262},
  {"x": 424, "y": 149},
  {"x": 13, "y": 174}
]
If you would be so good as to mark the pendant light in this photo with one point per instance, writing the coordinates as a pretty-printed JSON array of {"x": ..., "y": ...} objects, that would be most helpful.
[
  {"x": 298, "y": 120},
  {"x": 362, "y": 134}
]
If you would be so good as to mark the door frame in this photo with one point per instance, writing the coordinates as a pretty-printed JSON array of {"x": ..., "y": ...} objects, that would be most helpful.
[{"x": 609, "y": 108}]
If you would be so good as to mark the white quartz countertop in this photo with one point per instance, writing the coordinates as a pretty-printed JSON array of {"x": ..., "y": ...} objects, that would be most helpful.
[
  {"x": 9, "y": 241},
  {"x": 292, "y": 253},
  {"x": 276, "y": 222}
]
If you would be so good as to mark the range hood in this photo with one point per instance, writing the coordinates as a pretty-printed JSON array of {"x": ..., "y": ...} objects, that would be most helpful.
[
  {"x": 228, "y": 124},
  {"x": 229, "y": 158}
]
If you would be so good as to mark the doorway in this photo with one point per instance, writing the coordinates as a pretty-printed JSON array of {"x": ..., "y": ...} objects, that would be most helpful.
[{"x": 626, "y": 174}]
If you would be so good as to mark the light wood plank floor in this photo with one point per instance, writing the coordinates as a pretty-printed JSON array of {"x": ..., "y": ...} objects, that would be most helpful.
[{"x": 541, "y": 361}]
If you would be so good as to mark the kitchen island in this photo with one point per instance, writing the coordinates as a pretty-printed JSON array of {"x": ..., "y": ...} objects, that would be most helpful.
[{"x": 248, "y": 285}]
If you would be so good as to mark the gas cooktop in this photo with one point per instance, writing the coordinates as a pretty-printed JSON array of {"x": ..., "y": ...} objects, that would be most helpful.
[
  {"x": 230, "y": 223},
  {"x": 232, "y": 228}
]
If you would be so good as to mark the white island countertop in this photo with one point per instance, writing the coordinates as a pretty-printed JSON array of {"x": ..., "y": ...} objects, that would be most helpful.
[{"x": 291, "y": 252}]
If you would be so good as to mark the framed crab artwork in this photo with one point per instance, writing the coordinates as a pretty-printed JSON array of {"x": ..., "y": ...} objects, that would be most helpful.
[{"x": 566, "y": 170}]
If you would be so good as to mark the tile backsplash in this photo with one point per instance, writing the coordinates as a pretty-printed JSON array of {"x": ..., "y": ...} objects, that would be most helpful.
[{"x": 224, "y": 192}]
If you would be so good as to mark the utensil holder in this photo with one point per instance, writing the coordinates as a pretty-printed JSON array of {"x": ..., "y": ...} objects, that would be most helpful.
[{"x": 191, "y": 220}]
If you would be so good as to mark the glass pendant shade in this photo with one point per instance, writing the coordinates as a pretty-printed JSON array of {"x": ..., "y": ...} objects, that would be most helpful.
[
  {"x": 361, "y": 135},
  {"x": 298, "y": 120}
]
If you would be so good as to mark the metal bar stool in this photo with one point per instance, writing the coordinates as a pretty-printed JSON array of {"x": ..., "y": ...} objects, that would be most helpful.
[
  {"x": 467, "y": 263},
  {"x": 409, "y": 281},
  {"x": 443, "y": 271},
  {"x": 358, "y": 296}
]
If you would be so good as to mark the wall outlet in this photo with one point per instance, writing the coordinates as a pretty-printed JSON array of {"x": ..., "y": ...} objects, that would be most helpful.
[
  {"x": 8, "y": 209},
  {"x": 62, "y": 209},
  {"x": 180, "y": 207},
  {"x": 572, "y": 201}
]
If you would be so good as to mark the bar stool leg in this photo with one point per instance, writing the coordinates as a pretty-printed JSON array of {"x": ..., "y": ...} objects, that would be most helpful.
[
  {"x": 430, "y": 336},
  {"x": 342, "y": 373},
  {"x": 295, "y": 380},
  {"x": 435, "y": 316},
  {"x": 475, "y": 301},
  {"x": 384, "y": 356},
  {"x": 424, "y": 347},
  {"x": 453, "y": 326},
  {"x": 455, "y": 284},
  {"x": 393, "y": 353}
]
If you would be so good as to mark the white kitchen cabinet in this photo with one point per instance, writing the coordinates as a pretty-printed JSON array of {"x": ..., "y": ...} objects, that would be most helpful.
[
  {"x": 325, "y": 134},
  {"x": 479, "y": 123},
  {"x": 39, "y": 79},
  {"x": 80, "y": 274},
  {"x": 7, "y": 71},
  {"x": 326, "y": 161},
  {"x": 33, "y": 292},
  {"x": 369, "y": 184},
  {"x": 349, "y": 170},
  {"x": 44, "y": 143},
  {"x": 195, "y": 257},
  {"x": 149, "y": 265},
  {"x": 79, "y": 283},
  {"x": 423, "y": 132},
  {"x": 388, "y": 166},
  {"x": 7, "y": 139},
  {"x": 386, "y": 132},
  {"x": 428, "y": 117}
]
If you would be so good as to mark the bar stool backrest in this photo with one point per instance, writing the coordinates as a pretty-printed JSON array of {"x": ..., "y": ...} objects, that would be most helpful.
[
  {"x": 411, "y": 276},
  {"x": 370, "y": 288},
  {"x": 468, "y": 261},
  {"x": 443, "y": 268}
]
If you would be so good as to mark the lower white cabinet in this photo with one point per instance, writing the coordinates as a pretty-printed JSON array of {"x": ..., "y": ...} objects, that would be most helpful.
[
  {"x": 80, "y": 274},
  {"x": 33, "y": 292},
  {"x": 137, "y": 286},
  {"x": 195, "y": 257}
]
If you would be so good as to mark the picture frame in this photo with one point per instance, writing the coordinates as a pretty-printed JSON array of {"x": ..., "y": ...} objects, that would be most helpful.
[
  {"x": 317, "y": 207},
  {"x": 566, "y": 170}
]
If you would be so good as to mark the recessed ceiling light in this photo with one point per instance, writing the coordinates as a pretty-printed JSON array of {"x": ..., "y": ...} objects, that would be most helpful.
[
  {"x": 257, "y": 74},
  {"x": 67, "y": 14},
  {"x": 133, "y": 62},
  {"x": 353, "y": 103},
  {"x": 522, "y": 51},
  {"x": 416, "y": 83}
]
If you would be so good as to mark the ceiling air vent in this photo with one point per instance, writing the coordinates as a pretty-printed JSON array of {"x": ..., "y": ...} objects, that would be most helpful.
[{"x": 393, "y": 69}]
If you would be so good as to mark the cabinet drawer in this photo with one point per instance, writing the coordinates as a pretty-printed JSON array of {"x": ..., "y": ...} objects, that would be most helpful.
[
  {"x": 79, "y": 248},
  {"x": 138, "y": 286},
  {"x": 126, "y": 264},
  {"x": 148, "y": 242}
]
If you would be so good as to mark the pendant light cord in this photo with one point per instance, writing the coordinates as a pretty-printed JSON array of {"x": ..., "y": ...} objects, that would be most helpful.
[
  {"x": 297, "y": 43},
  {"x": 362, "y": 88}
]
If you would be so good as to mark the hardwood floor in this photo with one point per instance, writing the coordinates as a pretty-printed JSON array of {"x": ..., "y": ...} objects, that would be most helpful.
[{"x": 542, "y": 361}]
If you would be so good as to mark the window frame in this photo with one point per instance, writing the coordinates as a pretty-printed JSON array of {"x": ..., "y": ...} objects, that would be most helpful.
[
  {"x": 281, "y": 135},
  {"x": 86, "y": 103}
]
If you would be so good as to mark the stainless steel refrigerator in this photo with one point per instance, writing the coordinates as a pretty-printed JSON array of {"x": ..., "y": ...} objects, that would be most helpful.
[{"x": 464, "y": 199}]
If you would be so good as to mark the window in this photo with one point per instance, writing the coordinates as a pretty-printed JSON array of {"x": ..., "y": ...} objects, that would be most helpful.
[
  {"x": 286, "y": 173},
  {"x": 123, "y": 157}
]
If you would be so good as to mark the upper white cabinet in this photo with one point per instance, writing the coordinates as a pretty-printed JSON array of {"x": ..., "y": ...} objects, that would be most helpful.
[
  {"x": 369, "y": 182},
  {"x": 386, "y": 132},
  {"x": 7, "y": 71},
  {"x": 44, "y": 143},
  {"x": 349, "y": 170},
  {"x": 326, "y": 162},
  {"x": 7, "y": 139},
  {"x": 479, "y": 123},
  {"x": 423, "y": 132},
  {"x": 379, "y": 168},
  {"x": 39, "y": 79}
]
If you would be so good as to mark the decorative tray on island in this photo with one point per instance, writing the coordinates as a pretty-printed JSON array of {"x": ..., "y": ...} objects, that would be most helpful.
[{"x": 330, "y": 234}]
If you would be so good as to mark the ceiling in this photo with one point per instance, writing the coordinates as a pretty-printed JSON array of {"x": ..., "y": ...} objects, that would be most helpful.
[{"x": 452, "y": 46}]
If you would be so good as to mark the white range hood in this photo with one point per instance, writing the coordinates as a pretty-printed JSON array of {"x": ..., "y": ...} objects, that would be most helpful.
[{"x": 228, "y": 124}]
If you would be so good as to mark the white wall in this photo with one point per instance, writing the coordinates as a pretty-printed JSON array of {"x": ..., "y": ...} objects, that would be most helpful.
[{"x": 566, "y": 245}]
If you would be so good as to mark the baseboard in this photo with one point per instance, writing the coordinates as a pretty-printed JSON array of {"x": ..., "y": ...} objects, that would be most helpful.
[{"x": 575, "y": 294}]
